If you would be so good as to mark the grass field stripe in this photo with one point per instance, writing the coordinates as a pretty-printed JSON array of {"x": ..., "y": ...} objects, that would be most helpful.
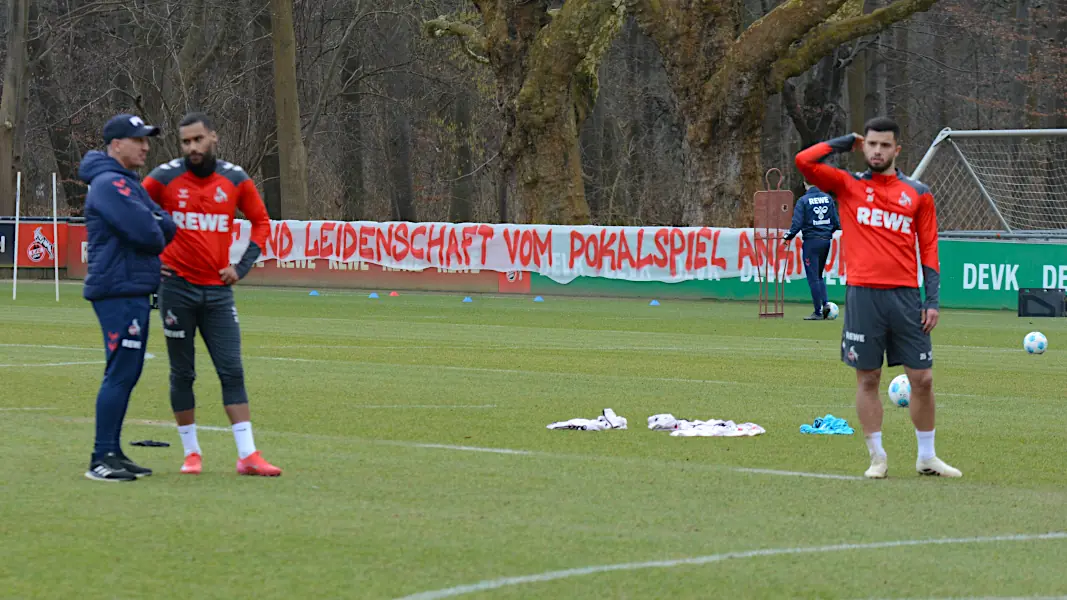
[
  {"x": 493, "y": 584},
  {"x": 50, "y": 347},
  {"x": 796, "y": 473},
  {"x": 422, "y": 406},
  {"x": 461, "y": 448},
  {"x": 509, "y": 451},
  {"x": 54, "y": 364},
  {"x": 504, "y": 371}
]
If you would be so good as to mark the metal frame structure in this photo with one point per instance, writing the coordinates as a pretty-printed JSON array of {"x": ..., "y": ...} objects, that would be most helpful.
[
  {"x": 772, "y": 216},
  {"x": 944, "y": 137}
]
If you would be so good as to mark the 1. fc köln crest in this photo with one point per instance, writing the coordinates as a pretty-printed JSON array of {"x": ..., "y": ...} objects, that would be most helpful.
[{"x": 40, "y": 247}]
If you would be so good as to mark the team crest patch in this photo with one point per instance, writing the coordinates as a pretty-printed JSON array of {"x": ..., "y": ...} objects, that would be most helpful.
[
  {"x": 40, "y": 246},
  {"x": 905, "y": 199},
  {"x": 170, "y": 320},
  {"x": 135, "y": 329}
]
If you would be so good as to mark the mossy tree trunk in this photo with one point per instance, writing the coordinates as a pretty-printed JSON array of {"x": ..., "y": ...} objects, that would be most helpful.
[
  {"x": 546, "y": 63},
  {"x": 722, "y": 75}
]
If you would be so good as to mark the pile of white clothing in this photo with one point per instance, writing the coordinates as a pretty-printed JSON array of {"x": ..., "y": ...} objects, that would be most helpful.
[
  {"x": 607, "y": 420},
  {"x": 712, "y": 428}
]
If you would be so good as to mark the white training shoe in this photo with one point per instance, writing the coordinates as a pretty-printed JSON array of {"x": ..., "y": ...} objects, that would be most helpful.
[
  {"x": 937, "y": 467},
  {"x": 879, "y": 467}
]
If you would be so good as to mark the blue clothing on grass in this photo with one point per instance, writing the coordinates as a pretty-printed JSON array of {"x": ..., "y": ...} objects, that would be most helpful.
[{"x": 828, "y": 425}]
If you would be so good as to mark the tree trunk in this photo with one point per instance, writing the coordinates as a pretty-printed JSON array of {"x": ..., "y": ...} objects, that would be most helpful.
[
  {"x": 400, "y": 178},
  {"x": 56, "y": 107},
  {"x": 271, "y": 170},
  {"x": 550, "y": 173},
  {"x": 460, "y": 206},
  {"x": 15, "y": 72},
  {"x": 293, "y": 159},
  {"x": 355, "y": 191},
  {"x": 546, "y": 76},
  {"x": 901, "y": 95},
  {"x": 258, "y": 50},
  {"x": 723, "y": 176},
  {"x": 857, "y": 104}
]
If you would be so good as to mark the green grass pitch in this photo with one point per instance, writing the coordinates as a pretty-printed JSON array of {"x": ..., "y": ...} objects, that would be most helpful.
[{"x": 382, "y": 412}]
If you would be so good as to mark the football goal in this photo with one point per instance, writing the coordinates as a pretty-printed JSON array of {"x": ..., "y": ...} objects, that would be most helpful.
[{"x": 1006, "y": 183}]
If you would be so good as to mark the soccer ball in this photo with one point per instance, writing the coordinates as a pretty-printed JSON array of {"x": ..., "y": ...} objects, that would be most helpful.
[
  {"x": 833, "y": 311},
  {"x": 1035, "y": 342},
  {"x": 900, "y": 390}
]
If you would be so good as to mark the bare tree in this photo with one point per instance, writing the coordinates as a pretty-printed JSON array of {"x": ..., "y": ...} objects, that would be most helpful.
[
  {"x": 293, "y": 158},
  {"x": 12, "y": 112}
]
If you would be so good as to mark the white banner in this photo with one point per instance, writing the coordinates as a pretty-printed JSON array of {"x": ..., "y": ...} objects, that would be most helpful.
[{"x": 560, "y": 252}]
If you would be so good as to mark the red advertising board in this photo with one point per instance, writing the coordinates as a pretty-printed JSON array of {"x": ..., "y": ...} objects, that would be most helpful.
[
  {"x": 38, "y": 246},
  {"x": 76, "y": 256}
]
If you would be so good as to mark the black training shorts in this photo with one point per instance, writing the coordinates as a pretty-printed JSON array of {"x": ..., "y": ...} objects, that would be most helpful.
[{"x": 884, "y": 322}]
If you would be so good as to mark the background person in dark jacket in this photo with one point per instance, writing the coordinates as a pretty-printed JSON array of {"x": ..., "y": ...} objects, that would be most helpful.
[
  {"x": 127, "y": 231},
  {"x": 815, "y": 214}
]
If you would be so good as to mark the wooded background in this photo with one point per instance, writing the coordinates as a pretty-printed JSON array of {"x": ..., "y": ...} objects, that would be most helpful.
[{"x": 613, "y": 112}]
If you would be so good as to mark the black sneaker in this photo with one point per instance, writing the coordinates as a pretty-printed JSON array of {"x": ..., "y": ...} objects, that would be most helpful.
[
  {"x": 826, "y": 310},
  {"x": 133, "y": 467},
  {"x": 813, "y": 317},
  {"x": 109, "y": 468}
]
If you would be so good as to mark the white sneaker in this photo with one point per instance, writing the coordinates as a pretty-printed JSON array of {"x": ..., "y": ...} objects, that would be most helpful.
[
  {"x": 937, "y": 467},
  {"x": 879, "y": 467}
]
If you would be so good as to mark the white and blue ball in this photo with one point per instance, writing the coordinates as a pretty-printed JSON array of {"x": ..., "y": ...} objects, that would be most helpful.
[
  {"x": 1035, "y": 342},
  {"x": 833, "y": 311},
  {"x": 900, "y": 390}
]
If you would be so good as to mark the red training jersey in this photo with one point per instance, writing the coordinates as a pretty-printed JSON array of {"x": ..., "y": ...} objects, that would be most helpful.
[
  {"x": 204, "y": 208},
  {"x": 882, "y": 216}
]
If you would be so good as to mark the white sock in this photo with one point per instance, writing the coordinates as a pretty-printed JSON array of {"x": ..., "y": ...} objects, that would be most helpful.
[
  {"x": 242, "y": 434},
  {"x": 189, "y": 441},
  {"x": 874, "y": 444},
  {"x": 926, "y": 443}
]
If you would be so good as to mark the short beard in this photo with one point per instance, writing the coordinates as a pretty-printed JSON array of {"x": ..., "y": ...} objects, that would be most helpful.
[
  {"x": 887, "y": 167},
  {"x": 206, "y": 166}
]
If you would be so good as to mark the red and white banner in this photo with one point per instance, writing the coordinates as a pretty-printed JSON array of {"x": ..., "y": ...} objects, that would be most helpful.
[{"x": 560, "y": 252}]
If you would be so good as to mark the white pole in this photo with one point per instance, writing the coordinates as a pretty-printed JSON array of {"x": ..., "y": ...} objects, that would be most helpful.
[
  {"x": 18, "y": 207},
  {"x": 55, "y": 234}
]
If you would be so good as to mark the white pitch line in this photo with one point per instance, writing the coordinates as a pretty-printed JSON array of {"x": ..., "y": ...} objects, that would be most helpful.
[
  {"x": 55, "y": 364},
  {"x": 50, "y": 347},
  {"x": 422, "y": 406},
  {"x": 492, "y": 584},
  {"x": 460, "y": 448},
  {"x": 515, "y": 452},
  {"x": 796, "y": 473},
  {"x": 28, "y": 408},
  {"x": 148, "y": 356}
]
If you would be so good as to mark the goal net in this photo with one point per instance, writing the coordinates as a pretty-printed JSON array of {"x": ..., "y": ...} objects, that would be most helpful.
[{"x": 998, "y": 183}]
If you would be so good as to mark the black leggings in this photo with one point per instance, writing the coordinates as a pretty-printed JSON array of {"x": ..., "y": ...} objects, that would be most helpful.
[{"x": 186, "y": 307}]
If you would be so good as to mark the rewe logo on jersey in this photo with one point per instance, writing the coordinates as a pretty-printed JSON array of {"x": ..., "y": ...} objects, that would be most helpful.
[
  {"x": 191, "y": 221},
  {"x": 876, "y": 217}
]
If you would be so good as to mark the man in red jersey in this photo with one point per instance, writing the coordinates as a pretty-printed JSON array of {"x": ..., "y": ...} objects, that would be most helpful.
[
  {"x": 202, "y": 193},
  {"x": 889, "y": 228}
]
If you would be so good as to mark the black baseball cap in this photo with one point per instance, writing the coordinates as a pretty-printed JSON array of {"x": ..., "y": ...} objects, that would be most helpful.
[{"x": 127, "y": 126}]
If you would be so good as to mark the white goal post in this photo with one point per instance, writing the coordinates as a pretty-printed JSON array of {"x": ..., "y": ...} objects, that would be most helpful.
[{"x": 999, "y": 183}]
